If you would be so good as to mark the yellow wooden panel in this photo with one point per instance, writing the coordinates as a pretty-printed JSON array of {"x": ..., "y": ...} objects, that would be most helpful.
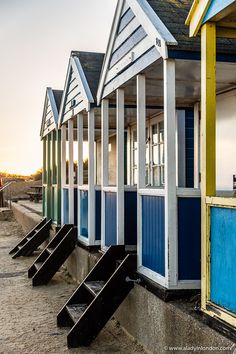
[
  {"x": 208, "y": 135},
  {"x": 196, "y": 15}
]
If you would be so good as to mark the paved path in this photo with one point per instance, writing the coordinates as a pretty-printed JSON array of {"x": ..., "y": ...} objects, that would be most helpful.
[{"x": 28, "y": 315}]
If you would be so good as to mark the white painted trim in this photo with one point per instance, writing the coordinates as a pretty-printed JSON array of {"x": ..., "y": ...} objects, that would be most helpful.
[
  {"x": 105, "y": 165},
  {"x": 196, "y": 145},
  {"x": 129, "y": 157},
  {"x": 188, "y": 284},
  {"x": 84, "y": 86},
  {"x": 80, "y": 162},
  {"x": 153, "y": 26},
  {"x": 130, "y": 188},
  {"x": 64, "y": 94},
  {"x": 91, "y": 184},
  {"x": 141, "y": 142},
  {"x": 111, "y": 42},
  {"x": 171, "y": 237},
  {"x": 158, "y": 192},
  {"x": 71, "y": 170},
  {"x": 49, "y": 98},
  {"x": 157, "y": 278},
  {"x": 85, "y": 240},
  {"x": 120, "y": 116},
  {"x": 188, "y": 192},
  {"x": 63, "y": 168},
  {"x": 141, "y": 129},
  {"x": 109, "y": 189}
]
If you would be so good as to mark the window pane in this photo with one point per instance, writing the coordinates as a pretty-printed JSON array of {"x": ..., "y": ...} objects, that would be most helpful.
[
  {"x": 154, "y": 134},
  {"x": 161, "y": 132},
  {"x": 155, "y": 155},
  {"x": 162, "y": 154},
  {"x": 135, "y": 176},
  {"x": 135, "y": 143},
  {"x": 155, "y": 172},
  {"x": 135, "y": 157}
]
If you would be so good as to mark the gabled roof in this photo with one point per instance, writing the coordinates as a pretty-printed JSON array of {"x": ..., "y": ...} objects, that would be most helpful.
[
  {"x": 208, "y": 10},
  {"x": 51, "y": 111},
  {"x": 82, "y": 78}
]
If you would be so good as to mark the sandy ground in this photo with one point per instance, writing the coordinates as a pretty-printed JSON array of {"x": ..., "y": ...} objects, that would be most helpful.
[{"x": 28, "y": 315}]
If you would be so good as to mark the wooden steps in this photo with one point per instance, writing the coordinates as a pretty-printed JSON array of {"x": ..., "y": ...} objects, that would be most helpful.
[
  {"x": 53, "y": 256},
  {"x": 98, "y": 297},
  {"x": 32, "y": 240}
]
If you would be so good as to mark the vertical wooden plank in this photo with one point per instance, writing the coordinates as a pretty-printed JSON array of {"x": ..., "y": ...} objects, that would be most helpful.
[
  {"x": 71, "y": 170},
  {"x": 80, "y": 131},
  {"x": 171, "y": 254},
  {"x": 63, "y": 167},
  {"x": 105, "y": 163},
  {"x": 58, "y": 171},
  {"x": 91, "y": 184},
  {"x": 129, "y": 151},
  {"x": 120, "y": 165},
  {"x": 181, "y": 149},
  {"x": 208, "y": 144},
  {"x": 48, "y": 176},
  {"x": 141, "y": 139},
  {"x": 196, "y": 145}
]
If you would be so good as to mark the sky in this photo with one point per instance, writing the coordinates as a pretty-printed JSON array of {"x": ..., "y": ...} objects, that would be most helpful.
[{"x": 36, "y": 38}]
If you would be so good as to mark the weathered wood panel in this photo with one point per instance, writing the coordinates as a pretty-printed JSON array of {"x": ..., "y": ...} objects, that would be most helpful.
[
  {"x": 125, "y": 19},
  {"x": 129, "y": 44}
]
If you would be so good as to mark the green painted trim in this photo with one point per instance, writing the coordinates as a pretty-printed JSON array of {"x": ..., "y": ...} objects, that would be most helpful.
[{"x": 44, "y": 175}]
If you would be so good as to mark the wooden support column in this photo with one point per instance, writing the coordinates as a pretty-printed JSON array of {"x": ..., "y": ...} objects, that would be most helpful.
[
  {"x": 44, "y": 176},
  {"x": 141, "y": 139},
  {"x": 58, "y": 171},
  {"x": 91, "y": 184},
  {"x": 171, "y": 254},
  {"x": 63, "y": 167},
  {"x": 120, "y": 229},
  {"x": 208, "y": 143},
  {"x": 48, "y": 176},
  {"x": 80, "y": 161},
  {"x": 105, "y": 162},
  {"x": 71, "y": 170}
]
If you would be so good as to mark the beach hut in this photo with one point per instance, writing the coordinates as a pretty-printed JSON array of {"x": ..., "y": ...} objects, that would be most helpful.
[
  {"x": 151, "y": 74},
  {"x": 80, "y": 123},
  {"x": 51, "y": 138},
  {"x": 215, "y": 22}
]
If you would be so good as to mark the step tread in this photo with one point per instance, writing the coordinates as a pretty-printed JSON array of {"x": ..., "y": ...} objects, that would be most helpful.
[
  {"x": 76, "y": 311},
  {"x": 95, "y": 286},
  {"x": 50, "y": 249},
  {"x": 38, "y": 265}
]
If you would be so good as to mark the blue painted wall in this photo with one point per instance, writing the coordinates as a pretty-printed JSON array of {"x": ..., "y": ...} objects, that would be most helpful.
[
  {"x": 223, "y": 256},
  {"x": 75, "y": 206},
  {"x": 189, "y": 238},
  {"x": 189, "y": 147},
  {"x": 153, "y": 233},
  {"x": 216, "y": 7},
  {"x": 65, "y": 206},
  {"x": 98, "y": 216},
  {"x": 84, "y": 213},
  {"x": 130, "y": 218},
  {"x": 110, "y": 222}
]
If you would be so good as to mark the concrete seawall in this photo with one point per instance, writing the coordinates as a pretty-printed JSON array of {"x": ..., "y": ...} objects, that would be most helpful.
[{"x": 157, "y": 325}]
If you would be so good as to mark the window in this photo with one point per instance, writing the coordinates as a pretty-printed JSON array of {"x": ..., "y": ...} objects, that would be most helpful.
[{"x": 155, "y": 158}]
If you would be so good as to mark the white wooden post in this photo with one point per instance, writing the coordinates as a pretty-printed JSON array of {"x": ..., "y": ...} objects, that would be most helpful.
[
  {"x": 120, "y": 166},
  {"x": 171, "y": 256},
  {"x": 63, "y": 169},
  {"x": 141, "y": 139},
  {"x": 91, "y": 184},
  {"x": 71, "y": 170},
  {"x": 80, "y": 161},
  {"x": 196, "y": 145},
  {"x": 105, "y": 162},
  {"x": 129, "y": 152},
  {"x": 180, "y": 149}
]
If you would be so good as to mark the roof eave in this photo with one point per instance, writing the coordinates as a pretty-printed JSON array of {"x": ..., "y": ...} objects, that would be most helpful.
[{"x": 196, "y": 16}]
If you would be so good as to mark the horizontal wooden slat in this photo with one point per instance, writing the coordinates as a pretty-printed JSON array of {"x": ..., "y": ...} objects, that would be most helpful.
[
  {"x": 125, "y": 8},
  {"x": 75, "y": 94},
  {"x": 125, "y": 19},
  {"x": 125, "y": 34},
  {"x": 144, "y": 61},
  {"x": 132, "y": 56},
  {"x": 136, "y": 37}
]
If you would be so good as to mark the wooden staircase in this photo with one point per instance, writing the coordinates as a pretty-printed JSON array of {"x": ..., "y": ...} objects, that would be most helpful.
[
  {"x": 32, "y": 240},
  {"x": 98, "y": 296},
  {"x": 53, "y": 256}
]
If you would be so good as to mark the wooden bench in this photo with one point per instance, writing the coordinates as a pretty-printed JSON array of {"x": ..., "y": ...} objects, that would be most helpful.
[{"x": 36, "y": 195}]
